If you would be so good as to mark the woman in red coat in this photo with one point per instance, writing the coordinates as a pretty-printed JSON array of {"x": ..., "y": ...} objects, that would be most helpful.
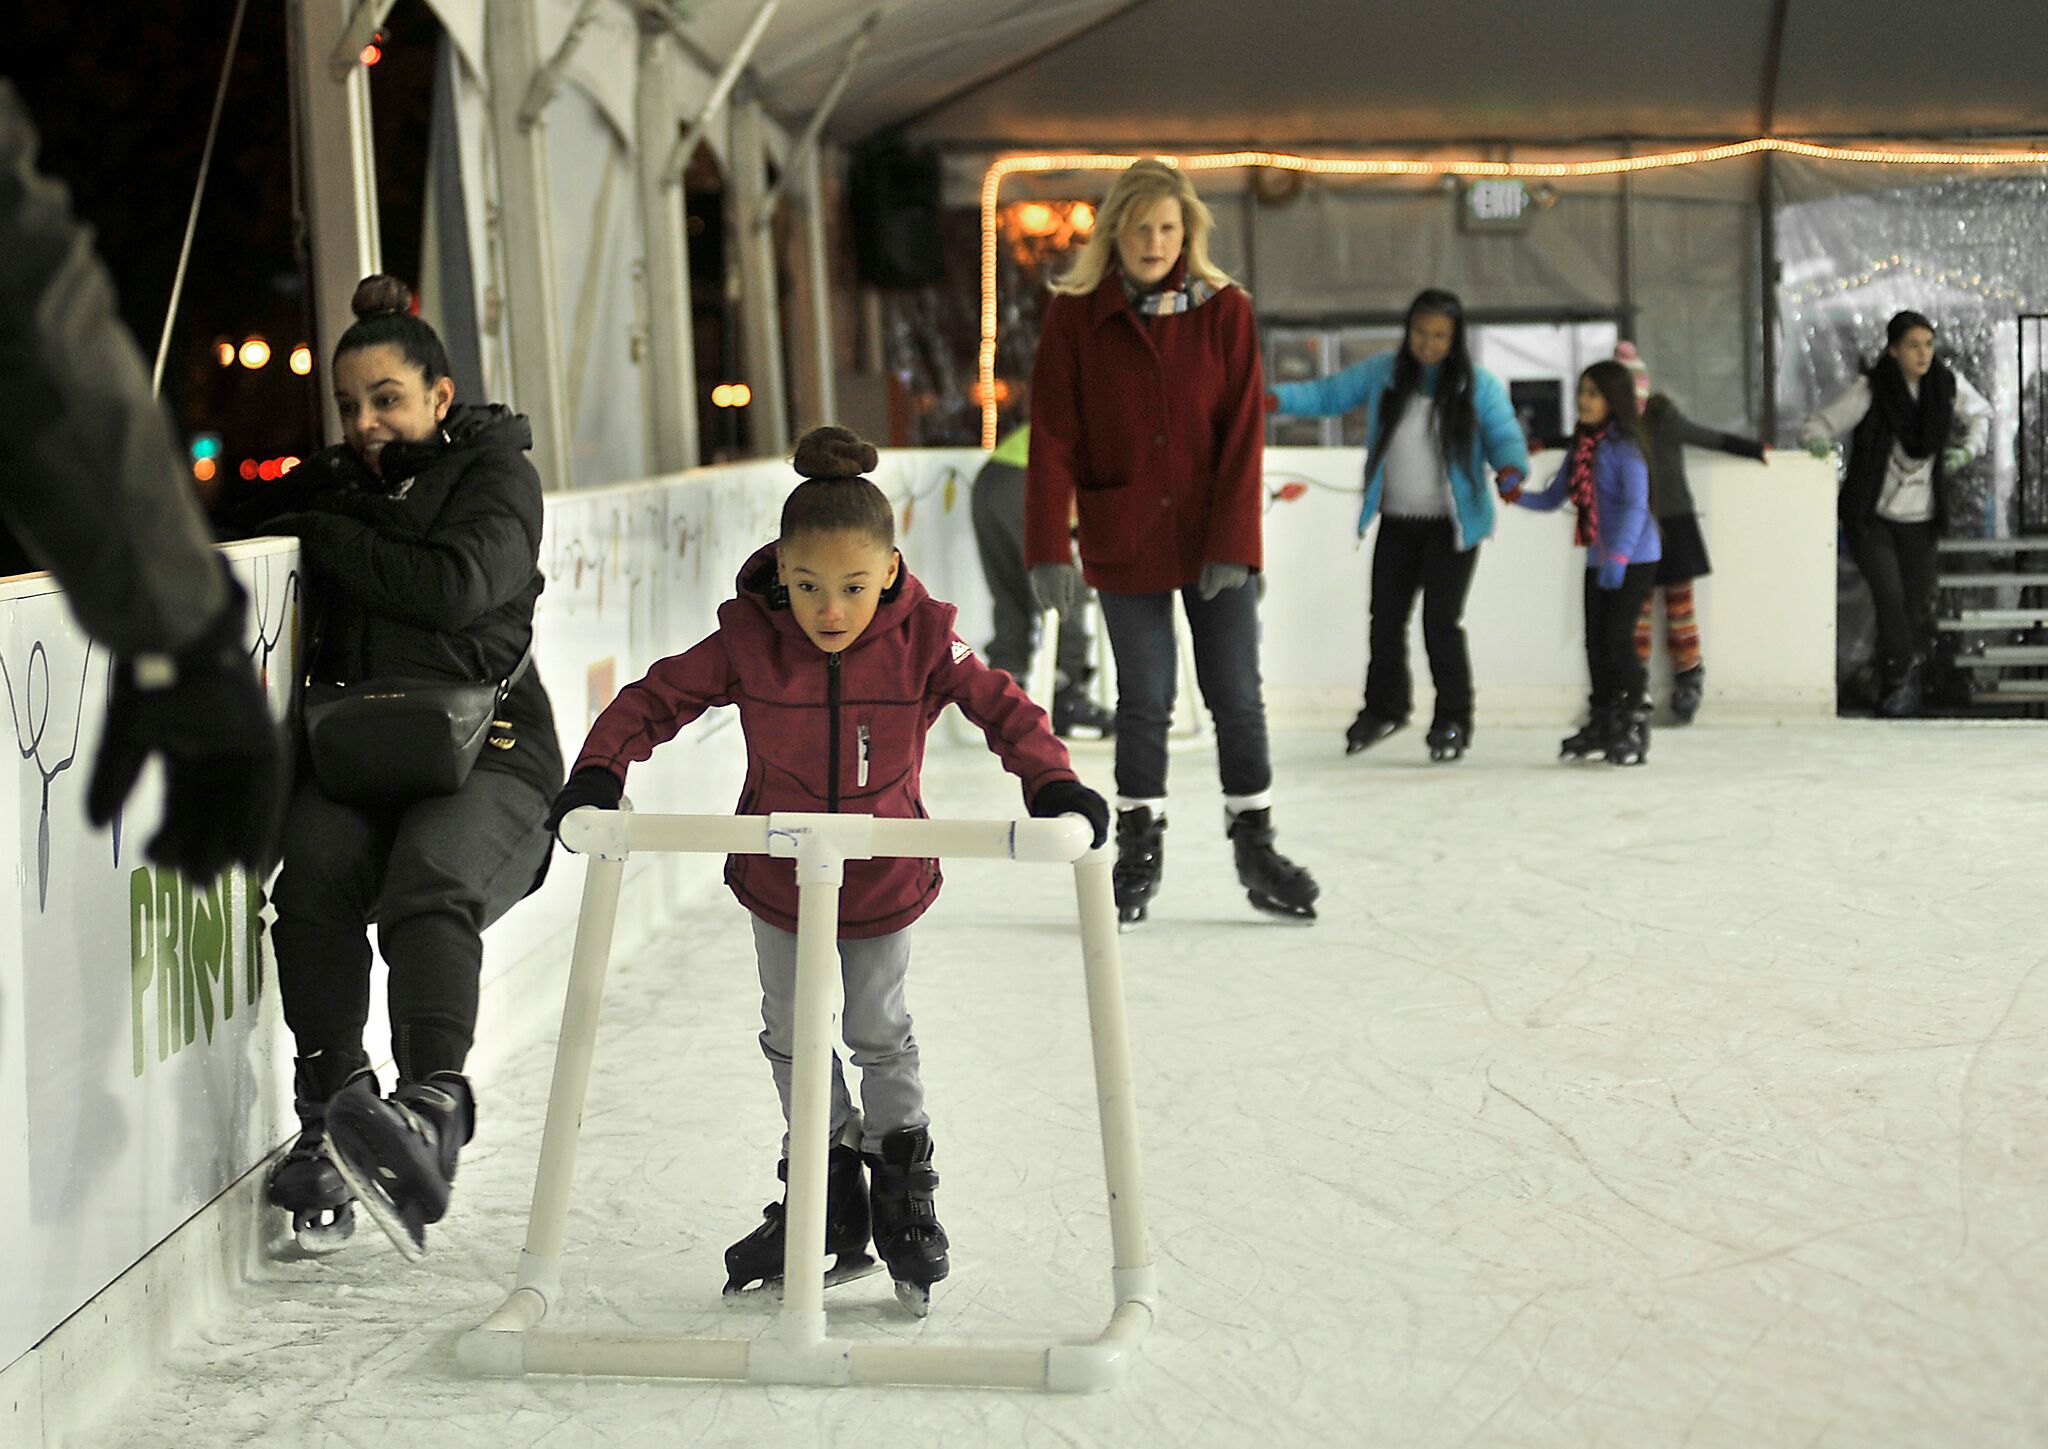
[{"x": 1147, "y": 427}]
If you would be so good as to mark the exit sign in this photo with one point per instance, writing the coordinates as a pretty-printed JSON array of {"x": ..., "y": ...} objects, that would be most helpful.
[{"x": 1495, "y": 205}]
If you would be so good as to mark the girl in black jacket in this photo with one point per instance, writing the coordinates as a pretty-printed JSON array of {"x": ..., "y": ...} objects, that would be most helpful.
[{"x": 419, "y": 541}]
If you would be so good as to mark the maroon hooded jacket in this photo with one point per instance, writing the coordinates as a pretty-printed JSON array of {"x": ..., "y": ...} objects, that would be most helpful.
[
  {"x": 831, "y": 732},
  {"x": 1153, "y": 432}
]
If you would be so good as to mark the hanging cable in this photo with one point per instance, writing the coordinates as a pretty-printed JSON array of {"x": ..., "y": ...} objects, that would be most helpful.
[{"x": 220, "y": 95}]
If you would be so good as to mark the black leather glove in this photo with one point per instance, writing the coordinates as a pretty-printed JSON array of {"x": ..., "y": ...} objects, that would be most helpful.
[
  {"x": 591, "y": 785},
  {"x": 1071, "y": 797},
  {"x": 204, "y": 711}
]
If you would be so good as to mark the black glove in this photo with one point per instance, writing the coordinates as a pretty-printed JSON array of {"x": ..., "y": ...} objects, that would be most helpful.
[
  {"x": 1071, "y": 797},
  {"x": 203, "y": 710},
  {"x": 591, "y": 785}
]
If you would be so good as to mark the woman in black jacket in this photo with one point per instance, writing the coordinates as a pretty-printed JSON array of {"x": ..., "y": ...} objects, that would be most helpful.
[{"x": 419, "y": 541}]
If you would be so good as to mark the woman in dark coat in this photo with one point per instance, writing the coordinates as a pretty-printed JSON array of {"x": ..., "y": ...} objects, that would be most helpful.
[
  {"x": 1147, "y": 421},
  {"x": 419, "y": 540}
]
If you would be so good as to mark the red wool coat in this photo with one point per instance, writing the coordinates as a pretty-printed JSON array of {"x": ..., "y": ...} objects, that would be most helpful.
[
  {"x": 801, "y": 710},
  {"x": 1153, "y": 431}
]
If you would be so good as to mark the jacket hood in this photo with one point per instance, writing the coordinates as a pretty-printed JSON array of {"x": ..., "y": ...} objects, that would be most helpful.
[{"x": 759, "y": 588}]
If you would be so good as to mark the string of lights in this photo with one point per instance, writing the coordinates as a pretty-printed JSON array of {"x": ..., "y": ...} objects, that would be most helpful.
[{"x": 1361, "y": 166}]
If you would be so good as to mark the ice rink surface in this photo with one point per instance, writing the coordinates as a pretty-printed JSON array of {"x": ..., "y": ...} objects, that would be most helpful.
[{"x": 1701, "y": 1104}]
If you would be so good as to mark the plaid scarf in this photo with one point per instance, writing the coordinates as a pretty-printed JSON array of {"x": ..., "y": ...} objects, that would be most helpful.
[
  {"x": 1190, "y": 294},
  {"x": 1579, "y": 475}
]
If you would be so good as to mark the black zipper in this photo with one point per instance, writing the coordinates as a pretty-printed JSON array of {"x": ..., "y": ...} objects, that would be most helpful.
[{"x": 832, "y": 737}]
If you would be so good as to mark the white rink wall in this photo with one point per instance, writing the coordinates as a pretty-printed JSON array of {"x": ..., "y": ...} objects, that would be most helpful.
[{"x": 144, "y": 1070}]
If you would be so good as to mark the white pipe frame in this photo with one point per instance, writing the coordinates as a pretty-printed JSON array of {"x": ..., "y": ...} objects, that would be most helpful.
[{"x": 796, "y": 1349}]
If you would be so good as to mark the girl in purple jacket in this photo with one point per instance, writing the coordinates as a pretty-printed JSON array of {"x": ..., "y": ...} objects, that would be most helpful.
[
  {"x": 1607, "y": 478},
  {"x": 839, "y": 662}
]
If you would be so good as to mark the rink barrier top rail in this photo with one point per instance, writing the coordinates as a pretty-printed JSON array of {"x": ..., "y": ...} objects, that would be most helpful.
[{"x": 796, "y": 1348}]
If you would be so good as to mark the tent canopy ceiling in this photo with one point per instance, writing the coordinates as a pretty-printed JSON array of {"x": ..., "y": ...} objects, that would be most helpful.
[{"x": 1302, "y": 73}]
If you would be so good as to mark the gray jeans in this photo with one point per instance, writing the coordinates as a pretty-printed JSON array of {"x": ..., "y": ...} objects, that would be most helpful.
[{"x": 875, "y": 1025}]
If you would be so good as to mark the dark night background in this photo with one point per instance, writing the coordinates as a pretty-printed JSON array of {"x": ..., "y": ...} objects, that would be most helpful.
[{"x": 121, "y": 97}]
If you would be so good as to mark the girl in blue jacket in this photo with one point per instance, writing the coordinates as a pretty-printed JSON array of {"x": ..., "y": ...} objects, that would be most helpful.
[
  {"x": 1433, "y": 424},
  {"x": 1607, "y": 478}
]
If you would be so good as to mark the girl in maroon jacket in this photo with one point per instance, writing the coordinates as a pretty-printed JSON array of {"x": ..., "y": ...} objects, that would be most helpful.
[
  {"x": 1147, "y": 422},
  {"x": 839, "y": 662}
]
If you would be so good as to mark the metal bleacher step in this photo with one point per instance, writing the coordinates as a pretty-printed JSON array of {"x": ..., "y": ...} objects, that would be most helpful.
[
  {"x": 1993, "y": 545},
  {"x": 2004, "y": 579},
  {"x": 2006, "y": 656},
  {"x": 2033, "y": 690},
  {"x": 1980, "y": 621}
]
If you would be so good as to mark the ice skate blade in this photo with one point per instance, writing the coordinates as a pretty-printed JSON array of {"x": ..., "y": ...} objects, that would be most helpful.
[
  {"x": 319, "y": 1239},
  {"x": 849, "y": 1268},
  {"x": 407, "y": 1233},
  {"x": 917, "y": 1297},
  {"x": 1280, "y": 911}
]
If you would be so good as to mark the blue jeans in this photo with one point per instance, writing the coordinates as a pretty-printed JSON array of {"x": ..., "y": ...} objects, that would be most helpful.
[{"x": 1226, "y": 633}]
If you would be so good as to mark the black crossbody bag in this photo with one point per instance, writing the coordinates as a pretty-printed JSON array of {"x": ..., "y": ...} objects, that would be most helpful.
[{"x": 386, "y": 741}]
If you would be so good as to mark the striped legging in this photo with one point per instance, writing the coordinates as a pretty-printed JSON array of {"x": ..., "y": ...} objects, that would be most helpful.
[{"x": 1681, "y": 627}]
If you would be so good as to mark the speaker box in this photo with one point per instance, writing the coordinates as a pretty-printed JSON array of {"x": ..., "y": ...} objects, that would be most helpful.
[{"x": 895, "y": 200}]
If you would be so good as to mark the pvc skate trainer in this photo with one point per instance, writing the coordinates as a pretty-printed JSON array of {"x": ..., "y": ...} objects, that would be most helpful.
[{"x": 796, "y": 1348}]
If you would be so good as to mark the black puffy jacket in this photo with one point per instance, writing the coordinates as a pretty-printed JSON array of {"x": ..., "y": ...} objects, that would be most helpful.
[{"x": 429, "y": 572}]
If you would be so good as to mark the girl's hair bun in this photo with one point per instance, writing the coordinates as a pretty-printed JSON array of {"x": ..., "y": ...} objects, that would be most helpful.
[
  {"x": 381, "y": 293},
  {"x": 832, "y": 452}
]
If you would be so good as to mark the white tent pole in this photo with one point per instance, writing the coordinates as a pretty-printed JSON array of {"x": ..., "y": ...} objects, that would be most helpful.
[
  {"x": 534, "y": 321},
  {"x": 549, "y": 76},
  {"x": 672, "y": 355},
  {"x": 340, "y": 194},
  {"x": 760, "y": 304},
  {"x": 679, "y": 157}
]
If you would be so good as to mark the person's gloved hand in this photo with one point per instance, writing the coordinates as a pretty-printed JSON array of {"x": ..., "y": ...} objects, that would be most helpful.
[
  {"x": 1508, "y": 482},
  {"x": 1612, "y": 572},
  {"x": 591, "y": 785},
  {"x": 1819, "y": 447},
  {"x": 1058, "y": 586},
  {"x": 203, "y": 709},
  {"x": 1071, "y": 797},
  {"x": 1219, "y": 577},
  {"x": 1955, "y": 459}
]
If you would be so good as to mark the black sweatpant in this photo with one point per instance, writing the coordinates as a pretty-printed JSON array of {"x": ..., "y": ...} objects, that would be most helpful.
[
  {"x": 1411, "y": 556},
  {"x": 1897, "y": 560},
  {"x": 997, "y": 509},
  {"x": 1616, "y": 669},
  {"x": 430, "y": 876}
]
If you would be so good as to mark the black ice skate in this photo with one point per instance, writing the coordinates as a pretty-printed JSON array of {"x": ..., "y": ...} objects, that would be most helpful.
[
  {"x": 753, "y": 1265},
  {"x": 1592, "y": 737},
  {"x": 1140, "y": 863},
  {"x": 399, "y": 1154},
  {"x": 1688, "y": 688},
  {"x": 1628, "y": 740},
  {"x": 1272, "y": 882},
  {"x": 304, "y": 1183},
  {"x": 907, "y": 1231},
  {"x": 1076, "y": 715},
  {"x": 1905, "y": 688},
  {"x": 1448, "y": 740},
  {"x": 1368, "y": 730}
]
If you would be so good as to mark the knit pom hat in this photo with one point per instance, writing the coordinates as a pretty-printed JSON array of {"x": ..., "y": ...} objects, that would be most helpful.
[{"x": 1625, "y": 354}]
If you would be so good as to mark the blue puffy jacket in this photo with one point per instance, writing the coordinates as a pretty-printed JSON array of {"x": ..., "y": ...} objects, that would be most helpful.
[
  {"x": 1497, "y": 438},
  {"x": 1621, "y": 483}
]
